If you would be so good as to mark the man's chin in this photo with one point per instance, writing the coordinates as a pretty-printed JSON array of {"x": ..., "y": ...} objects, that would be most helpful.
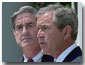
[
  {"x": 44, "y": 51},
  {"x": 25, "y": 44}
]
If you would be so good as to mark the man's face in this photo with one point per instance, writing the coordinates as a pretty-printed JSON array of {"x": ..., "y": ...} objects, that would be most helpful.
[
  {"x": 49, "y": 36},
  {"x": 25, "y": 30}
]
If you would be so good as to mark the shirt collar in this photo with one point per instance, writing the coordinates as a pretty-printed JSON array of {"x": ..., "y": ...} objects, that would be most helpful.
[
  {"x": 36, "y": 58},
  {"x": 63, "y": 55}
]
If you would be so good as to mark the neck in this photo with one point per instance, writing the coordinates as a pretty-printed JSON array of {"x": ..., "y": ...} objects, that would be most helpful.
[
  {"x": 31, "y": 52},
  {"x": 62, "y": 49}
]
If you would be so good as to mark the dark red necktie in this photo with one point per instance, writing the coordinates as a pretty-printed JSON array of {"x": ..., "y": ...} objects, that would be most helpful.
[{"x": 30, "y": 60}]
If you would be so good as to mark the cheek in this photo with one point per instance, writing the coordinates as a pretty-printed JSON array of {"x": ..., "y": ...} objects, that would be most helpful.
[
  {"x": 52, "y": 39},
  {"x": 48, "y": 39},
  {"x": 17, "y": 36},
  {"x": 34, "y": 34},
  {"x": 33, "y": 31},
  {"x": 57, "y": 40}
]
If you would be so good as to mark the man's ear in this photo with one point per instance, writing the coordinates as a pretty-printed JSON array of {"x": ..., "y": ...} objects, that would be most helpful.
[{"x": 67, "y": 32}]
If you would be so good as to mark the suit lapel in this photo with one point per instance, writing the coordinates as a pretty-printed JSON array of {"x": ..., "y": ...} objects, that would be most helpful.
[
  {"x": 74, "y": 54},
  {"x": 47, "y": 58}
]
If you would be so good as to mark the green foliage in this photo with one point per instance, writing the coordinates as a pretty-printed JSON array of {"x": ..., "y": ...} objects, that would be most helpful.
[
  {"x": 43, "y": 4},
  {"x": 68, "y": 5},
  {"x": 58, "y": 3}
]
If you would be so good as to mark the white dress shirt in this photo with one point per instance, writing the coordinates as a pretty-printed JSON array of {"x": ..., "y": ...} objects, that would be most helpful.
[
  {"x": 36, "y": 58},
  {"x": 63, "y": 55}
]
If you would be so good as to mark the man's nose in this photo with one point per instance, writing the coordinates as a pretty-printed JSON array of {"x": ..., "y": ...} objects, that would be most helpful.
[
  {"x": 25, "y": 30},
  {"x": 40, "y": 33}
]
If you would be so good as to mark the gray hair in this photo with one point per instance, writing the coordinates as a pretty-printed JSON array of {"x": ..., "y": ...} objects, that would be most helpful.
[
  {"x": 62, "y": 17},
  {"x": 21, "y": 10}
]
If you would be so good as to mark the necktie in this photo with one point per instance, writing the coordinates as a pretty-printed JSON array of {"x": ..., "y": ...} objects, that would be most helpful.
[{"x": 30, "y": 60}]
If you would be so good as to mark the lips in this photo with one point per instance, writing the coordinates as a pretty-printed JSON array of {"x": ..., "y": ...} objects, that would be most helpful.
[
  {"x": 26, "y": 39},
  {"x": 42, "y": 43},
  {"x": 41, "y": 40}
]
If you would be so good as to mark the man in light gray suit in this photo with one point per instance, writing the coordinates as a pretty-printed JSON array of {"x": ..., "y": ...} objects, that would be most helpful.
[{"x": 57, "y": 32}]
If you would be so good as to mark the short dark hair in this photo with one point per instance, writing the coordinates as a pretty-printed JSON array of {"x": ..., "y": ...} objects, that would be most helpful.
[
  {"x": 23, "y": 9},
  {"x": 62, "y": 17}
]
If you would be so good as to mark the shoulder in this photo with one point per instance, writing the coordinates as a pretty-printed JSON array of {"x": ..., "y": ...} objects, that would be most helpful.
[
  {"x": 78, "y": 59},
  {"x": 74, "y": 56},
  {"x": 20, "y": 59}
]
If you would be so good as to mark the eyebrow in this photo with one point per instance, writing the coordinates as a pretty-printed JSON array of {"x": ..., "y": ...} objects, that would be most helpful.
[
  {"x": 29, "y": 23},
  {"x": 41, "y": 26}
]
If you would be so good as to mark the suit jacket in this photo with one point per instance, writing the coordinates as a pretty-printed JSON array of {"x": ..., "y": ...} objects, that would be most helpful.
[
  {"x": 74, "y": 56},
  {"x": 45, "y": 58}
]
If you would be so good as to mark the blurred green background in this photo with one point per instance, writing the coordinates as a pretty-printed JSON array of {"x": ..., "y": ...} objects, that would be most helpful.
[{"x": 43, "y": 4}]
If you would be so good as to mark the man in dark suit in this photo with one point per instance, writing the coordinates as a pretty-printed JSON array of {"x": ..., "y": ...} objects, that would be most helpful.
[
  {"x": 57, "y": 32},
  {"x": 25, "y": 32}
]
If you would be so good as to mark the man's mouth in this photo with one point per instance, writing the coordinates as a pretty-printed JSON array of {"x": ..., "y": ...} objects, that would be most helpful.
[
  {"x": 42, "y": 43},
  {"x": 26, "y": 39}
]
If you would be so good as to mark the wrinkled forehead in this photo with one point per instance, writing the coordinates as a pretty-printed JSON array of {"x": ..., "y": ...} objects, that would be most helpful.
[{"x": 25, "y": 17}]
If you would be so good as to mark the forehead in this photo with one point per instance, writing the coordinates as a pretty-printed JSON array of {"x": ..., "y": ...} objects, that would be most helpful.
[
  {"x": 45, "y": 18},
  {"x": 25, "y": 17}
]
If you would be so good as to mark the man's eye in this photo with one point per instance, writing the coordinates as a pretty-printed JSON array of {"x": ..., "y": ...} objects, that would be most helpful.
[
  {"x": 18, "y": 27},
  {"x": 44, "y": 28},
  {"x": 37, "y": 28},
  {"x": 29, "y": 26}
]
